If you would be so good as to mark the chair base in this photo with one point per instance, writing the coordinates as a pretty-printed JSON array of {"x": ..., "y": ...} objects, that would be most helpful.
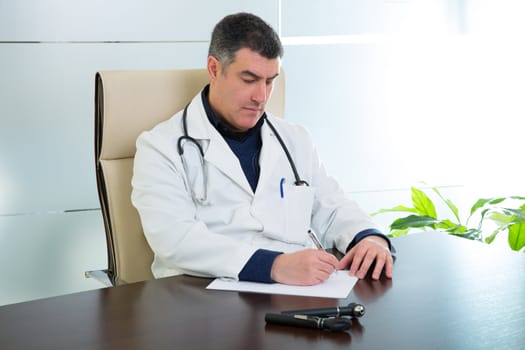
[{"x": 101, "y": 276}]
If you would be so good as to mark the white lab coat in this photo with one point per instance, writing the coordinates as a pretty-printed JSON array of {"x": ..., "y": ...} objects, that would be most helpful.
[{"x": 218, "y": 237}]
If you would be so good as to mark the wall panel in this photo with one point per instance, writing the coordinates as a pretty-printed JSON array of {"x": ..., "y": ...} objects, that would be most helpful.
[
  {"x": 50, "y": 52},
  {"x": 357, "y": 17},
  {"x": 374, "y": 126},
  {"x": 47, "y": 118},
  {"x": 120, "y": 20}
]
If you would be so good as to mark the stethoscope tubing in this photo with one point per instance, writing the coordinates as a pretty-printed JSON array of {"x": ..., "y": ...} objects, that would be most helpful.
[
  {"x": 187, "y": 137},
  {"x": 298, "y": 181}
]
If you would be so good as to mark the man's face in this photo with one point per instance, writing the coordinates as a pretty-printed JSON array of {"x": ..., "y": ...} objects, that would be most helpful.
[{"x": 238, "y": 93}]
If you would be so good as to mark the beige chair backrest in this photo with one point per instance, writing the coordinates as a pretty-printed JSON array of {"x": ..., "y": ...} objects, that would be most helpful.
[{"x": 127, "y": 103}]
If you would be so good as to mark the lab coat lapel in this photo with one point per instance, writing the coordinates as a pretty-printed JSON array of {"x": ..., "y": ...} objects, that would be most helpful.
[
  {"x": 216, "y": 150},
  {"x": 221, "y": 156},
  {"x": 271, "y": 156}
]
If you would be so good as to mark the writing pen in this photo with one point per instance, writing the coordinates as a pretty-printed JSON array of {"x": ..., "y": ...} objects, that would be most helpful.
[
  {"x": 317, "y": 243},
  {"x": 316, "y": 240}
]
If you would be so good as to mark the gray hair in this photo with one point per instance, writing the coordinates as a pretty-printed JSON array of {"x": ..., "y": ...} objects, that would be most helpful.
[{"x": 243, "y": 30}]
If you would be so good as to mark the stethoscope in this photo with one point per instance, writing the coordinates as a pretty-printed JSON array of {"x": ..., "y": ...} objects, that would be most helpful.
[{"x": 186, "y": 138}]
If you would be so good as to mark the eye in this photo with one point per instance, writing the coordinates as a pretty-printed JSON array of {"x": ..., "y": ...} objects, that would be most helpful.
[{"x": 249, "y": 81}]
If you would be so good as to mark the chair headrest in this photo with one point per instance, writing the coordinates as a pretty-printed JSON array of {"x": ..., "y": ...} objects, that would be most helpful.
[{"x": 129, "y": 102}]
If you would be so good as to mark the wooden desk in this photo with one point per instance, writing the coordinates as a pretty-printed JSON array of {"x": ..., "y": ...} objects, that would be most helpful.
[{"x": 447, "y": 293}]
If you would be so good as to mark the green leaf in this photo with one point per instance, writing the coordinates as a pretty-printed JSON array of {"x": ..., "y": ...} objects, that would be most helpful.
[
  {"x": 398, "y": 233},
  {"x": 397, "y": 209},
  {"x": 491, "y": 238},
  {"x": 516, "y": 236},
  {"x": 479, "y": 203},
  {"x": 412, "y": 221},
  {"x": 499, "y": 219},
  {"x": 449, "y": 203},
  {"x": 457, "y": 229},
  {"x": 518, "y": 213},
  {"x": 497, "y": 200},
  {"x": 423, "y": 204},
  {"x": 446, "y": 224},
  {"x": 472, "y": 233},
  {"x": 483, "y": 213}
]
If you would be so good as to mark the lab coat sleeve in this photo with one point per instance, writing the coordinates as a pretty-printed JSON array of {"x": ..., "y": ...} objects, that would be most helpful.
[
  {"x": 182, "y": 244},
  {"x": 335, "y": 216}
]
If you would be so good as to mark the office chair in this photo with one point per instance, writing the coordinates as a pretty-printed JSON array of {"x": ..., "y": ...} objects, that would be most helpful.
[{"x": 127, "y": 103}]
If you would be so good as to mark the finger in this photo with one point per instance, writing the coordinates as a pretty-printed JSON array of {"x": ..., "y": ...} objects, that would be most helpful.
[
  {"x": 327, "y": 269},
  {"x": 324, "y": 275},
  {"x": 365, "y": 265},
  {"x": 320, "y": 266},
  {"x": 389, "y": 266},
  {"x": 325, "y": 255},
  {"x": 319, "y": 276},
  {"x": 378, "y": 268},
  {"x": 326, "y": 265},
  {"x": 356, "y": 261},
  {"x": 330, "y": 259},
  {"x": 345, "y": 261}
]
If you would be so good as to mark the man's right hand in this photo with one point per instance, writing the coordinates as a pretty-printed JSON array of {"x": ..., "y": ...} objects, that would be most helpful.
[{"x": 303, "y": 268}]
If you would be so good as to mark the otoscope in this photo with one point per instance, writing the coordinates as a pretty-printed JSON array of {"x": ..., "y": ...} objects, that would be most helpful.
[
  {"x": 333, "y": 324},
  {"x": 353, "y": 309}
]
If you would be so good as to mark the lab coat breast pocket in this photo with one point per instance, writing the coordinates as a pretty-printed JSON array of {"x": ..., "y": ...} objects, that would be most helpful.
[{"x": 298, "y": 202}]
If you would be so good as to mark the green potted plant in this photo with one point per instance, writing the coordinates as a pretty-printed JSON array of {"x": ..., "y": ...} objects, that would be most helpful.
[{"x": 488, "y": 217}]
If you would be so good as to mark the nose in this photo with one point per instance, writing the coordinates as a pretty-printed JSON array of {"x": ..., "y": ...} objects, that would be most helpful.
[{"x": 261, "y": 92}]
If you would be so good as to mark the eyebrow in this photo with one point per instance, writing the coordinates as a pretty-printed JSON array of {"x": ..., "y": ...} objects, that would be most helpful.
[{"x": 255, "y": 76}]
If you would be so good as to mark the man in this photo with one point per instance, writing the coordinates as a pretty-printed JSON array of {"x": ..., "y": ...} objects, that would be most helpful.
[{"x": 219, "y": 197}]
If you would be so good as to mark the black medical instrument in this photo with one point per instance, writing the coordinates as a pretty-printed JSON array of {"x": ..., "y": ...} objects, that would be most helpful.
[
  {"x": 186, "y": 137},
  {"x": 334, "y": 324},
  {"x": 334, "y": 319},
  {"x": 353, "y": 310}
]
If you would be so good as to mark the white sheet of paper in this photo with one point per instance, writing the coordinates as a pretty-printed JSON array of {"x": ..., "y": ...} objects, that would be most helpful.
[{"x": 337, "y": 286}]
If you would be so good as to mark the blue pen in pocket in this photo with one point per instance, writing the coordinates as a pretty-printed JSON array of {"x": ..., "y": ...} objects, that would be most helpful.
[{"x": 281, "y": 184}]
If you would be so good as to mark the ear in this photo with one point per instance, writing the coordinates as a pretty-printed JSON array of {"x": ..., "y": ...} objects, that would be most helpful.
[{"x": 214, "y": 67}]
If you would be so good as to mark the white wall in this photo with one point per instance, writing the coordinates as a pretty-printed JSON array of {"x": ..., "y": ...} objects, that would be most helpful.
[
  {"x": 49, "y": 54},
  {"x": 398, "y": 92}
]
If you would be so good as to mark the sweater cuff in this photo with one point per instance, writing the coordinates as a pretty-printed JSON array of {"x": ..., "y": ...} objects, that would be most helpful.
[
  {"x": 366, "y": 233},
  {"x": 259, "y": 267}
]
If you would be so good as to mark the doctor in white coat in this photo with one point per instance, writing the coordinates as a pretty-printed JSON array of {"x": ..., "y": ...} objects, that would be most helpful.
[{"x": 235, "y": 210}]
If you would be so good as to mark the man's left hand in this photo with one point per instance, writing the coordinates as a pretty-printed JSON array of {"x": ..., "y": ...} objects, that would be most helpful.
[{"x": 359, "y": 259}]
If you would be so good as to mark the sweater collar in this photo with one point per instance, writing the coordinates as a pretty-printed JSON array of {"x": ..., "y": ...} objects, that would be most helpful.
[{"x": 224, "y": 129}]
